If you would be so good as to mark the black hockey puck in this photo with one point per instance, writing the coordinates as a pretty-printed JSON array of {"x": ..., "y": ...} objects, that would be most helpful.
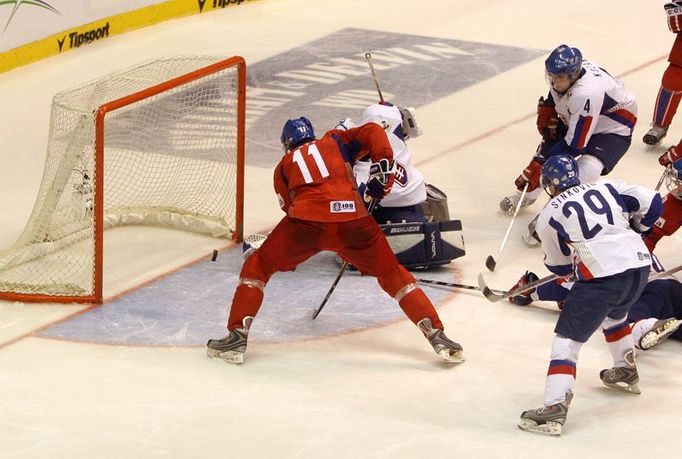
[{"x": 214, "y": 256}]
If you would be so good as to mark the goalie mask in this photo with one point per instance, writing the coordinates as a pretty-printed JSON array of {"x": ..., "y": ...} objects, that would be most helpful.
[
  {"x": 296, "y": 132},
  {"x": 673, "y": 179}
]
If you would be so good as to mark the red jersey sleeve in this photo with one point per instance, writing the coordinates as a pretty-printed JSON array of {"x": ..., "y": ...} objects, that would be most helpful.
[
  {"x": 669, "y": 221},
  {"x": 368, "y": 138},
  {"x": 281, "y": 184}
]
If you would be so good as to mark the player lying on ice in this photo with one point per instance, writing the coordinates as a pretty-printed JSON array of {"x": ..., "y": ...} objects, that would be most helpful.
[
  {"x": 324, "y": 211},
  {"x": 432, "y": 239},
  {"x": 586, "y": 230},
  {"x": 654, "y": 317}
]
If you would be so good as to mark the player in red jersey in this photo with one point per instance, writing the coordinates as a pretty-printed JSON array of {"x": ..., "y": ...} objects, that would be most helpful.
[
  {"x": 670, "y": 92},
  {"x": 671, "y": 217},
  {"x": 315, "y": 187}
]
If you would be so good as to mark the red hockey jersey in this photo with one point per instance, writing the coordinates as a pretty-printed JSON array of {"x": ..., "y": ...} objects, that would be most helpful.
[{"x": 314, "y": 182}]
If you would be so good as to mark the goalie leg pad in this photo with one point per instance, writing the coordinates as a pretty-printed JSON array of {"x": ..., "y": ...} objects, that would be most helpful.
[{"x": 423, "y": 245}]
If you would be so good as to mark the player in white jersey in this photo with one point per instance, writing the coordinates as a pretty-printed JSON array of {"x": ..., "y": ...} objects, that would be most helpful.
[
  {"x": 587, "y": 114},
  {"x": 403, "y": 203},
  {"x": 587, "y": 229}
]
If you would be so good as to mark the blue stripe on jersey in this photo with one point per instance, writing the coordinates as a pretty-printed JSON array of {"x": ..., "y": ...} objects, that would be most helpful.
[
  {"x": 562, "y": 236},
  {"x": 655, "y": 210},
  {"x": 580, "y": 135},
  {"x": 630, "y": 204},
  {"x": 618, "y": 118},
  {"x": 619, "y": 198},
  {"x": 608, "y": 104},
  {"x": 561, "y": 270}
]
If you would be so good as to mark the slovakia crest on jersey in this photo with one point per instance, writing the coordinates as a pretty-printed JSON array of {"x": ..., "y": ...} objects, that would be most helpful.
[{"x": 400, "y": 174}]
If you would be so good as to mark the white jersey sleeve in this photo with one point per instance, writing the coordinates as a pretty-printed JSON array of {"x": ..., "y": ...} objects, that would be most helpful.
[
  {"x": 409, "y": 187},
  {"x": 596, "y": 103},
  {"x": 587, "y": 229}
]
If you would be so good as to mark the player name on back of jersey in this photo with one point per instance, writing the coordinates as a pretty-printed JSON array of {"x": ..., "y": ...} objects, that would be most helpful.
[
  {"x": 337, "y": 207},
  {"x": 575, "y": 191}
]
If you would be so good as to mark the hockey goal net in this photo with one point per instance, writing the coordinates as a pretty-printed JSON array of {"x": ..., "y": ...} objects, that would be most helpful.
[{"x": 158, "y": 144}]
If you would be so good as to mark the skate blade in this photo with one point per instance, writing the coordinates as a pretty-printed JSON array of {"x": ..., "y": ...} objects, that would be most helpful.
[
  {"x": 653, "y": 337},
  {"x": 627, "y": 388},
  {"x": 228, "y": 356},
  {"x": 550, "y": 428},
  {"x": 456, "y": 357}
]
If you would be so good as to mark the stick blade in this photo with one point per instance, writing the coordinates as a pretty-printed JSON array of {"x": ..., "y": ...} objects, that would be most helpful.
[
  {"x": 489, "y": 294},
  {"x": 490, "y": 263}
]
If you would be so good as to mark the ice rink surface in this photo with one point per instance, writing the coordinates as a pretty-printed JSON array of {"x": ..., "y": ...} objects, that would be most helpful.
[{"x": 130, "y": 378}]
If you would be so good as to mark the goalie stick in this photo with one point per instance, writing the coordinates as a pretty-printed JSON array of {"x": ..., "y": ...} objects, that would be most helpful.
[
  {"x": 490, "y": 262},
  {"x": 494, "y": 296},
  {"x": 368, "y": 56}
]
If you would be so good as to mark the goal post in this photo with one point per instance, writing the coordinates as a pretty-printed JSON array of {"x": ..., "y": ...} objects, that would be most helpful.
[{"x": 158, "y": 144}]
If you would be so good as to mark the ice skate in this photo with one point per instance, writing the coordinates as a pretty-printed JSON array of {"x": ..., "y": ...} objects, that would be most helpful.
[
  {"x": 450, "y": 351},
  {"x": 660, "y": 331},
  {"x": 622, "y": 378},
  {"x": 524, "y": 299},
  {"x": 655, "y": 134},
  {"x": 508, "y": 203},
  {"x": 232, "y": 347},
  {"x": 547, "y": 420}
]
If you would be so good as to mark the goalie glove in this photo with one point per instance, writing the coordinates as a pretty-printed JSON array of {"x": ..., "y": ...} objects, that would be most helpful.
[
  {"x": 380, "y": 179},
  {"x": 670, "y": 156},
  {"x": 530, "y": 175},
  {"x": 547, "y": 120}
]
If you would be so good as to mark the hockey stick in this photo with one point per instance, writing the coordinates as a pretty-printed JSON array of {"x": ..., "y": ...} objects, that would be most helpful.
[
  {"x": 451, "y": 285},
  {"x": 342, "y": 270},
  {"x": 368, "y": 56},
  {"x": 490, "y": 262},
  {"x": 666, "y": 273},
  {"x": 491, "y": 295},
  {"x": 317, "y": 311},
  {"x": 660, "y": 181}
]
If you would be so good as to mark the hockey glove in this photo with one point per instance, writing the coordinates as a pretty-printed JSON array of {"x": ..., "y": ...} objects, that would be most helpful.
[
  {"x": 547, "y": 120},
  {"x": 530, "y": 175},
  {"x": 670, "y": 156},
  {"x": 380, "y": 179}
]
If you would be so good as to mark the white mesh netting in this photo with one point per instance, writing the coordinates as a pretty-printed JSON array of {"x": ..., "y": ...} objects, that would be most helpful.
[{"x": 169, "y": 159}]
